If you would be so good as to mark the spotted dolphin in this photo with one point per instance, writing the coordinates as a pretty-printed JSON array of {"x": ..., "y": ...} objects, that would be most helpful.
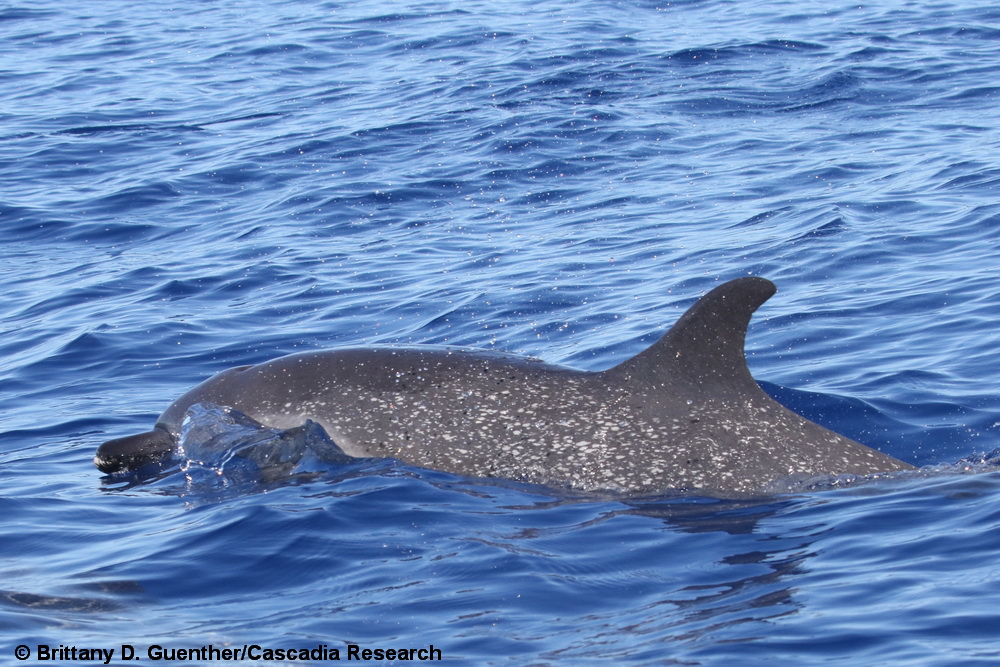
[{"x": 684, "y": 414}]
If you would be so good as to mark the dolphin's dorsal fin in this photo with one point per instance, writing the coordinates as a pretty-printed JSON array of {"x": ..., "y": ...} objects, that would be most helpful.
[{"x": 704, "y": 349}]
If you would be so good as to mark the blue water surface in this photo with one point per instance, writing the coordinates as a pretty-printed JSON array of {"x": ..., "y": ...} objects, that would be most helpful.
[{"x": 186, "y": 187}]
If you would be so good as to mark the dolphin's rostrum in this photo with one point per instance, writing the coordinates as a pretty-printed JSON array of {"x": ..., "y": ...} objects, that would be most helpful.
[{"x": 683, "y": 414}]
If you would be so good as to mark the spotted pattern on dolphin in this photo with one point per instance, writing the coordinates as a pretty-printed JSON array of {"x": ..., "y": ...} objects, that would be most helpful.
[{"x": 684, "y": 414}]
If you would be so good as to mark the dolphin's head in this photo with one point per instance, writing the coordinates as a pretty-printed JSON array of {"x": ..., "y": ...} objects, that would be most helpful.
[{"x": 135, "y": 451}]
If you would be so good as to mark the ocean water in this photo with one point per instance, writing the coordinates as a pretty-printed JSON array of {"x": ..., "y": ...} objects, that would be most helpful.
[{"x": 186, "y": 187}]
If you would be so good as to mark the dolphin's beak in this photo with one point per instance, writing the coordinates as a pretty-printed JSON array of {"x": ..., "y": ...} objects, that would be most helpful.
[{"x": 134, "y": 451}]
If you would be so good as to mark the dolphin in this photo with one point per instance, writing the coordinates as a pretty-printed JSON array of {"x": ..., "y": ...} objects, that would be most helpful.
[{"x": 684, "y": 414}]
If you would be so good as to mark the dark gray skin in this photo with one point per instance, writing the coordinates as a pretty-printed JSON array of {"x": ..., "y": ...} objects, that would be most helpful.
[{"x": 683, "y": 414}]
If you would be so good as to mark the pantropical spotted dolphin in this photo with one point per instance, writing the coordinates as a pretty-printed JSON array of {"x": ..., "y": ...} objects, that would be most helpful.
[{"x": 683, "y": 414}]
